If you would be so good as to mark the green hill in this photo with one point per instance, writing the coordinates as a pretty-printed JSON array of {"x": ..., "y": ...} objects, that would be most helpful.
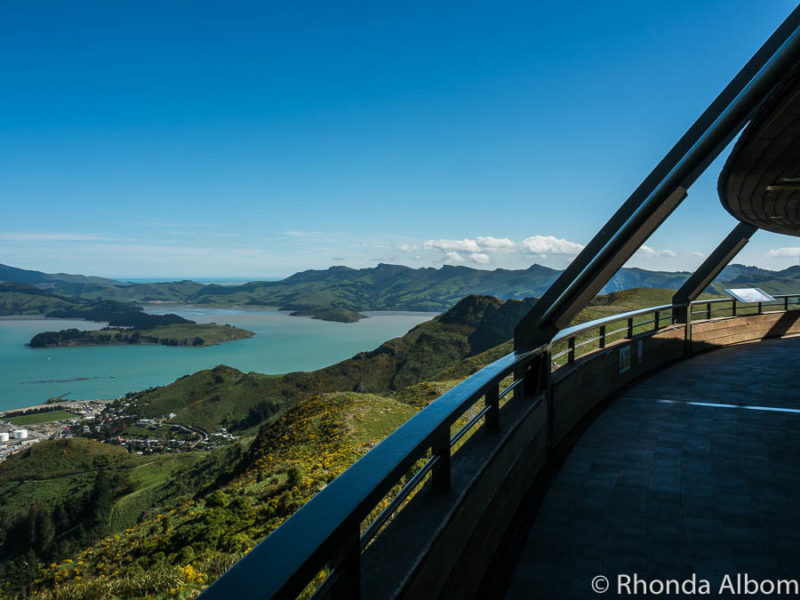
[
  {"x": 226, "y": 397},
  {"x": 342, "y": 293},
  {"x": 177, "y": 522},
  {"x": 17, "y": 299},
  {"x": 60, "y": 458}
]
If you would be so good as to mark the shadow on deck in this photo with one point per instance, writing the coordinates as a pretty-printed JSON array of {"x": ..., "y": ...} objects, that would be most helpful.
[{"x": 693, "y": 470}]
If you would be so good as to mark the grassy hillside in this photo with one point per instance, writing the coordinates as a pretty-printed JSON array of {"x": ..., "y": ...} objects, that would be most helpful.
[
  {"x": 227, "y": 397},
  {"x": 63, "y": 495},
  {"x": 26, "y": 300},
  {"x": 174, "y": 526},
  {"x": 181, "y": 550},
  {"x": 17, "y": 299},
  {"x": 61, "y": 458},
  {"x": 53, "y": 470}
]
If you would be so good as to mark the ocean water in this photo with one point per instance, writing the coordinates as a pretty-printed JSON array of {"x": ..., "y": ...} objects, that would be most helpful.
[{"x": 281, "y": 344}]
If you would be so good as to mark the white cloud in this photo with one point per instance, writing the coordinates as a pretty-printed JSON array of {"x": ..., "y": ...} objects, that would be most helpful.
[
  {"x": 648, "y": 252},
  {"x": 791, "y": 252},
  {"x": 699, "y": 254},
  {"x": 453, "y": 258},
  {"x": 465, "y": 245},
  {"x": 493, "y": 242},
  {"x": 482, "y": 247},
  {"x": 543, "y": 245}
]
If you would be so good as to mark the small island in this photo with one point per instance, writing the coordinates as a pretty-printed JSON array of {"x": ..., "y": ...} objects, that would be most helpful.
[
  {"x": 177, "y": 334},
  {"x": 335, "y": 314}
]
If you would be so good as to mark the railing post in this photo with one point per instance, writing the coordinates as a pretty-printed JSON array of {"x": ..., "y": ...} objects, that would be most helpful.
[
  {"x": 492, "y": 417},
  {"x": 571, "y": 350},
  {"x": 708, "y": 310},
  {"x": 759, "y": 308},
  {"x": 348, "y": 569},
  {"x": 733, "y": 308},
  {"x": 602, "y": 336},
  {"x": 687, "y": 350},
  {"x": 441, "y": 470},
  {"x": 786, "y": 303},
  {"x": 630, "y": 328},
  {"x": 656, "y": 320},
  {"x": 535, "y": 375},
  {"x": 544, "y": 371}
]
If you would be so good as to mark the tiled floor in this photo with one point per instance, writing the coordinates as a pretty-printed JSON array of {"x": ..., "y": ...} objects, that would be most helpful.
[{"x": 664, "y": 487}]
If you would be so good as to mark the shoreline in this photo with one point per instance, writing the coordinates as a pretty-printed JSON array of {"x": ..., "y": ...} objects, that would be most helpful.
[
  {"x": 62, "y": 404},
  {"x": 43, "y": 318},
  {"x": 28, "y": 397}
]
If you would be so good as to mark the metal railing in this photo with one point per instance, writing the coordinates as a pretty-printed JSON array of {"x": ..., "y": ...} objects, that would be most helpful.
[
  {"x": 576, "y": 339},
  {"x": 730, "y": 307},
  {"x": 331, "y": 530}
]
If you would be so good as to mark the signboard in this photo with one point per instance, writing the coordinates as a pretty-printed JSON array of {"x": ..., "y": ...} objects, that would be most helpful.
[
  {"x": 747, "y": 295},
  {"x": 624, "y": 359}
]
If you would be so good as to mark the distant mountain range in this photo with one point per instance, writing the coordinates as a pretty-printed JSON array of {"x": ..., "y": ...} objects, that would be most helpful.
[{"x": 342, "y": 293}]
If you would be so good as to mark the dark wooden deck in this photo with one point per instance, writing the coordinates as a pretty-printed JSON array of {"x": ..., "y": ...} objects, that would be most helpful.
[{"x": 694, "y": 470}]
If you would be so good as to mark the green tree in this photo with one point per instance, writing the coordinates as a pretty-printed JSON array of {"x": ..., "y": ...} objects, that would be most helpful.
[
  {"x": 100, "y": 501},
  {"x": 43, "y": 529}
]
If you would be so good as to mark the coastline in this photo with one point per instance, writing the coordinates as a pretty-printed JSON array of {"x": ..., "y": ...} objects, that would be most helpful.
[
  {"x": 43, "y": 318},
  {"x": 283, "y": 344},
  {"x": 63, "y": 404}
]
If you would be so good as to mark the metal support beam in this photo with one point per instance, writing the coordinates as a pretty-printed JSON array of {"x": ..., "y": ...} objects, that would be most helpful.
[
  {"x": 611, "y": 260},
  {"x": 720, "y": 122},
  {"x": 711, "y": 267},
  {"x": 544, "y": 321}
]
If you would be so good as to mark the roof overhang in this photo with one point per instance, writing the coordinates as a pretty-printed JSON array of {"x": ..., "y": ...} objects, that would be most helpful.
[{"x": 760, "y": 182}]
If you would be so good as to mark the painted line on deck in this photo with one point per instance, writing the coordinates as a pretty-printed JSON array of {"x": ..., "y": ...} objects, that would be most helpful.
[{"x": 795, "y": 411}]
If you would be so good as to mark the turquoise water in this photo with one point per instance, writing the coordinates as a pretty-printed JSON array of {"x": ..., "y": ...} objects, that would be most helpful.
[{"x": 281, "y": 344}]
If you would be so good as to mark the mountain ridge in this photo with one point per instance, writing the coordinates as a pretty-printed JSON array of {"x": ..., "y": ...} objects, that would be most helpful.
[{"x": 342, "y": 293}]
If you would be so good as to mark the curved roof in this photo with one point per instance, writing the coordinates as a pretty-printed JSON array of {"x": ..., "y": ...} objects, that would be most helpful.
[{"x": 760, "y": 183}]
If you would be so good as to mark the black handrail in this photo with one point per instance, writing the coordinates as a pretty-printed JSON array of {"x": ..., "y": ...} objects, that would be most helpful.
[
  {"x": 580, "y": 327},
  {"x": 330, "y": 522},
  {"x": 733, "y": 305},
  {"x": 328, "y": 527}
]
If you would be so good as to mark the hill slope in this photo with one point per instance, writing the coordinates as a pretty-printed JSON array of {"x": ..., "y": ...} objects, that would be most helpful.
[
  {"x": 341, "y": 293},
  {"x": 315, "y": 433},
  {"x": 229, "y": 398}
]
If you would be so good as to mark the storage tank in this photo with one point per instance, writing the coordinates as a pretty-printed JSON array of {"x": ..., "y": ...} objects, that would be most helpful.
[
  {"x": 3, "y": 436},
  {"x": 20, "y": 434}
]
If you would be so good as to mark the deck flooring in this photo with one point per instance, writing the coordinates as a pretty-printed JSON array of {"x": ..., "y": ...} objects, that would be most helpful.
[{"x": 693, "y": 470}]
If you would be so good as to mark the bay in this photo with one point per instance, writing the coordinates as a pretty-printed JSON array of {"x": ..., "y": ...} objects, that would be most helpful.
[{"x": 282, "y": 344}]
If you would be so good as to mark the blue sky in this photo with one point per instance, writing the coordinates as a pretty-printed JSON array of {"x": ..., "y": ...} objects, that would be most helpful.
[{"x": 256, "y": 139}]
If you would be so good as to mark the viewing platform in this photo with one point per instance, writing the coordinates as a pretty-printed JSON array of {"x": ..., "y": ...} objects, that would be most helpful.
[
  {"x": 692, "y": 470},
  {"x": 661, "y": 442}
]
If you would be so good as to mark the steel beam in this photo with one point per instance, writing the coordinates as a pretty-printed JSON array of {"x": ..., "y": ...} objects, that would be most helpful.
[
  {"x": 704, "y": 140},
  {"x": 544, "y": 321},
  {"x": 711, "y": 267}
]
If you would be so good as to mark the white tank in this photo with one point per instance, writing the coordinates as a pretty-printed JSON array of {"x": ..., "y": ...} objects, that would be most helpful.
[
  {"x": 20, "y": 434},
  {"x": 3, "y": 436}
]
